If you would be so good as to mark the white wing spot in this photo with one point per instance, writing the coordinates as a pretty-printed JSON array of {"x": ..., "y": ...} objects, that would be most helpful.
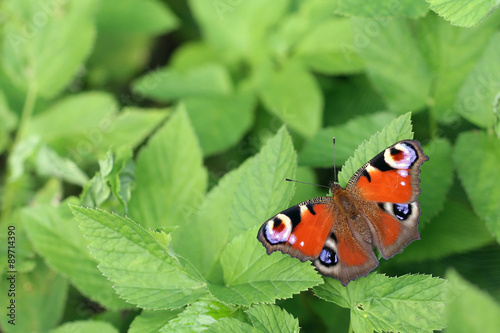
[
  {"x": 302, "y": 243},
  {"x": 403, "y": 173},
  {"x": 403, "y": 183},
  {"x": 292, "y": 239}
]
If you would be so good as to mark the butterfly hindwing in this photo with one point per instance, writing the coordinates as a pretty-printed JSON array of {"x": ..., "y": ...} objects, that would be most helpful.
[{"x": 396, "y": 227}]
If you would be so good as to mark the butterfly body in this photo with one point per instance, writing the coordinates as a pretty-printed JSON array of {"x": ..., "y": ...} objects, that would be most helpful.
[{"x": 378, "y": 208}]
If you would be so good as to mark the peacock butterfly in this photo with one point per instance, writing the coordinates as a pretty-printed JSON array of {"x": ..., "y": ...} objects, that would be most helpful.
[{"x": 378, "y": 208}]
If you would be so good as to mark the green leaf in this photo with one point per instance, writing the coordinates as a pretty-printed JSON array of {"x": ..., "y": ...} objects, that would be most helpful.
[
  {"x": 382, "y": 8},
  {"x": 169, "y": 84},
  {"x": 192, "y": 54},
  {"x": 151, "y": 321},
  {"x": 136, "y": 17},
  {"x": 225, "y": 325},
  {"x": 49, "y": 163},
  {"x": 463, "y": 13},
  {"x": 252, "y": 276},
  {"x": 122, "y": 176},
  {"x": 144, "y": 271},
  {"x": 477, "y": 96},
  {"x": 237, "y": 29},
  {"x": 293, "y": 95},
  {"x": 49, "y": 193},
  {"x": 410, "y": 303},
  {"x": 435, "y": 178},
  {"x": 262, "y": 189},
  {"x": 470, "y": 309},
  {"x": 39, "y": 300},
  {"x": 229, "y": 118},
  {"x": 318, "y": 151},
  {"x": 208, "y": 228},
  {"x": 131, "y": 127},
  {"x": 55, "y": 234},
  {"x": 338, "y": 56},
  {"x": 169, "y": 175},
  {"x": 201, "y": 315},
  {"x": 83, "y": 125},
  {"x": 81, "y": 326},
  {"x": 451, "y": 53},
  {"x": 24, "y": 149},
  {"x": 243, "y": 198},
  {"x": 75, "y": 126},
  {"x": 83, "y": 113},
  {"x": 399, "y": 129},
  {"x": 116, "y": 176},
  {"x": 478, "y": 177},
  {"x": 33, "y": 64},
  {"x": 271, "y": 318},
  {"x": 393, "y": 62}
]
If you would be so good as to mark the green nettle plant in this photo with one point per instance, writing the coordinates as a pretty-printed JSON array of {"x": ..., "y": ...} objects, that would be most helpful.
[{"x": 137, "y": 170}]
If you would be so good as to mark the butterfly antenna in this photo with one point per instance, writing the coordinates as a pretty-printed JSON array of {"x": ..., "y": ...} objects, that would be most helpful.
[
  {"x": 296, "y": 181},
  {"x": 335, "y": 180}
]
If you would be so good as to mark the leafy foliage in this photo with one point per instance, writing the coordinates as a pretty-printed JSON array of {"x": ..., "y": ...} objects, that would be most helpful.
[
  {"x": 144, "y": 144},
  {"x": 124, "y": 260},
  {"x": 55, "y": 234},
  {"x": 175, "y": 176},
  {"x": 378, "y": 303},
  {"x": 463, "y": 13},
  {"x": 483, "y": 193},
  {"x": 464, "y": 318}
]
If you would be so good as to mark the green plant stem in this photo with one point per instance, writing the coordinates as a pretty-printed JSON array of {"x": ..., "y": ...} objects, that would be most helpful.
[
  {"x": 10, "y": 185},
  {"x": 350, "y": 327}
]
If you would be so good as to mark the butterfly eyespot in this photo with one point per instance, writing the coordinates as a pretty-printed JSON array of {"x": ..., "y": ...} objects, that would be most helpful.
[
  {"x": 402, "y": 211},
  {"x": 278, "y": 229},
  {"x": 328, "y": 257},
  {"x": 401, "y": 156}
]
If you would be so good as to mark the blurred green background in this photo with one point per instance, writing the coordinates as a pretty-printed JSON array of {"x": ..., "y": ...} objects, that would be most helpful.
[{"x": 85, "y": 83}]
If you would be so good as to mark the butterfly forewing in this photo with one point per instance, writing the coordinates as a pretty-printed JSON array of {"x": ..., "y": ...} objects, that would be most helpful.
[{"x": 300, "y": 230}]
